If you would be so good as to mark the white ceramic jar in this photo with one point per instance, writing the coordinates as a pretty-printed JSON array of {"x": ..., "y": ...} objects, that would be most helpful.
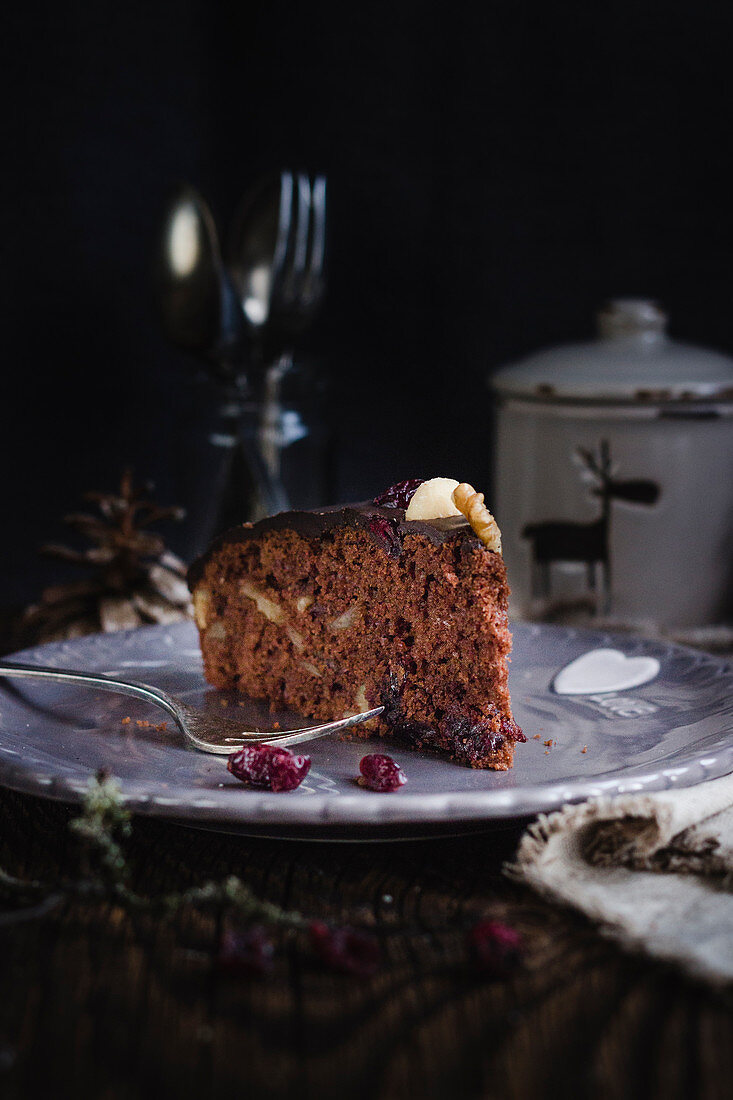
[{"x": 614, "y": 476}]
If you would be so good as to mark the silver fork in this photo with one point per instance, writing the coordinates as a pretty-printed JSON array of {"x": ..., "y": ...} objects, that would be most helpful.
[
  {"x": 313, "y": 284},
  {"x": 297, "y": 296},
  {"x": 211, "y": 733},
  {"x": 286, "y": 291}
]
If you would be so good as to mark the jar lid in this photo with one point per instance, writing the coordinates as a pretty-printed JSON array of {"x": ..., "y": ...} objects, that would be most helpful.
[{"x": 633, "y": 359}]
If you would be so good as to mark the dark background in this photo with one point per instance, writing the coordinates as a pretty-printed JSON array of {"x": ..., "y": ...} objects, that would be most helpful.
[{"x": 495, "y": 173}]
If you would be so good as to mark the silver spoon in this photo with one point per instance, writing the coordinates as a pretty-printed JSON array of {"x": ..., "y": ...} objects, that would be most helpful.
[
  {"x": 198, "y": 303},
  {"x": 202, "y": 313},
  {"x": 208, "y": 732}
]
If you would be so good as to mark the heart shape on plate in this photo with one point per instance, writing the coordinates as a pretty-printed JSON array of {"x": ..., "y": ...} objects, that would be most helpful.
[{"x": 602, "y": 670}]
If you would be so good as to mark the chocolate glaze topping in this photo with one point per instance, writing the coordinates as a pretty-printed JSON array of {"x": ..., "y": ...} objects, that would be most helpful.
[{"x": 314, "y": 524}]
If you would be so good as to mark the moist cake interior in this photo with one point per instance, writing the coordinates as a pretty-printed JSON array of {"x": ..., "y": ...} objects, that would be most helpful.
[{"x": 342, "y": 610}]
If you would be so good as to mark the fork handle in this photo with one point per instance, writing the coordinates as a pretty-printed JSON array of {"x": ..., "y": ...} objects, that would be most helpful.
[{"x": 16, "y": 670}]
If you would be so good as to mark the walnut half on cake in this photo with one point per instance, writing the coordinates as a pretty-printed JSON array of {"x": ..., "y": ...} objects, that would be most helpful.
[{"x": 400, "y": 602}]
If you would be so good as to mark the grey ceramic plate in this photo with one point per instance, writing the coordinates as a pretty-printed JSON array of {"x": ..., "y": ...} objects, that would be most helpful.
[{"x": 675, "y": 729}]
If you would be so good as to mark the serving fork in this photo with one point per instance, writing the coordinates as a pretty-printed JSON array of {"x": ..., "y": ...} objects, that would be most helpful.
[
  {"x": 297, "y": 294},
  {"x": 209, "y": 732}
]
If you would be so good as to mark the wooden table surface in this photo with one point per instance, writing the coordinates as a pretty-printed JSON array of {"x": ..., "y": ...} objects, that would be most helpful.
[{"x": 97, "y": 1002}]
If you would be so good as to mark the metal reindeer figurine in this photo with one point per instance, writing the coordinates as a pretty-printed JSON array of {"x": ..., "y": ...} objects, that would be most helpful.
[{"x": 568, "y": 541}]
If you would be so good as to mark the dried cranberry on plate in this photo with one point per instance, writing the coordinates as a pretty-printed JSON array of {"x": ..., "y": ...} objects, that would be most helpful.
[
  {"x": 268, "y": 767},
  {"x": 381, "y": 773}
]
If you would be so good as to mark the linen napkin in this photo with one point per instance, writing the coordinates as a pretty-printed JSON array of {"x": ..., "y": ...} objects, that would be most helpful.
[{"x": 655, "y": 871}]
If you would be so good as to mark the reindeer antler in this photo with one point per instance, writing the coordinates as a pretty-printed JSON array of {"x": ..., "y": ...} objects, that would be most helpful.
[
  {"x": 589, "y": 459},
  {"x": 600, "y": 466}
]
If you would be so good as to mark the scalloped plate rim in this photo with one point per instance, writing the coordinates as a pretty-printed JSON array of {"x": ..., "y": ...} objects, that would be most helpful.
[{"x": 358, "y": 810}]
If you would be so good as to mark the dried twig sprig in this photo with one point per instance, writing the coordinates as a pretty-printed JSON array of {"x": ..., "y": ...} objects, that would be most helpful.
[{"x": 104, "y": 824}]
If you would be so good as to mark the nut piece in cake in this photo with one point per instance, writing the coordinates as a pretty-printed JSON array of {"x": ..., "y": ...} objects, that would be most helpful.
[
  {"x": 265, "y": 606},
  {"x": 433, "y": 500},
  {"x": 201, "y": 604},
  {"x": 471, "y": 504}
]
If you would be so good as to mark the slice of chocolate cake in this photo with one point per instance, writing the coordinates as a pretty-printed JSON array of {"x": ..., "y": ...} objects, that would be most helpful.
[{"x": 400, "y": 602}]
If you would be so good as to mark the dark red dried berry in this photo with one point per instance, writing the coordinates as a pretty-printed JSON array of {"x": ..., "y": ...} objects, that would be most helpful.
[
  {"x": 345, "y": 949},
  {"x": 288, "y": 771},
  {"x": 388, "y": 532},
  {"x": 496, "y": 948},
  {"x": 246, "y": 952},
  {"x": 268, "y": 767},
  {"x": 381, "y": 773},
  {"x": 399, "y": 495},
  {"x": 511, "y": 730}
]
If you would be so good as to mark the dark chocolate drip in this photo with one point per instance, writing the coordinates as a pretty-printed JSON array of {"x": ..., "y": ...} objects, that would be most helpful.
[{"x": 316, "y": 523}]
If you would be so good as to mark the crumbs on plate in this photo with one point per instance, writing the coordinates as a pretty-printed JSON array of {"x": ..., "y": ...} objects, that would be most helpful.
[{"x": 160, "y": 727}]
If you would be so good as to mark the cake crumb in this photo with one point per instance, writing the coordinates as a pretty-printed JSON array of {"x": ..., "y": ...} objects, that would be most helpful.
[
  {"x": 549, "y": 743},
  {"x": 537, "y": 737},
  {"x": 126, "y": 721},
  {"x": 584, "y": 749}
]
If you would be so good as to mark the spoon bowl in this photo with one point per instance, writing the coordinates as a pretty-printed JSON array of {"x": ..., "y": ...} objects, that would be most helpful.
[{"x": 198, "y": 304}]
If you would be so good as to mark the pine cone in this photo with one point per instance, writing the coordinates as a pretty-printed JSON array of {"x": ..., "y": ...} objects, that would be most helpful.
[{"x": 133, "y": 579}]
